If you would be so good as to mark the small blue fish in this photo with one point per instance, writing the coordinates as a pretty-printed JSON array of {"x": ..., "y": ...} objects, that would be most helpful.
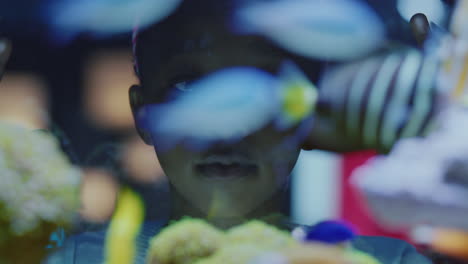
[
  {"x": 68, "y": 18},
  {"x": 56, "y": 239},
  {"x": 332, "y": 232},
  {"x": 229, "y": 104},
  {"x": 320, "y": 29}
]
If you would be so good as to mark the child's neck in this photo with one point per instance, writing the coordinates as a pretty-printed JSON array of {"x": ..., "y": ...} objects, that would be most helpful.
[{"x": 270, "y": 212}]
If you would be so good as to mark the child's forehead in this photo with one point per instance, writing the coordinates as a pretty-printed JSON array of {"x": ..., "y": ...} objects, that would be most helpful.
[
  {"x": 206, "y": 54},
  {"x": 203, "y": 43},
  {"x": 207, "y": 34}
]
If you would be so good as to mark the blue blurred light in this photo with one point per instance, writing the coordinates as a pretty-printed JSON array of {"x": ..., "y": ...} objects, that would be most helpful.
[
  {"x": 433, "y": 9},
  {"x": 104, "y": 17},
  {"x": 321, "y": 29}
]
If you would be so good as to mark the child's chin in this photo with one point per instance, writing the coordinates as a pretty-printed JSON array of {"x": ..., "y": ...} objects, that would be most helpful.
[{"x": 226, "y": 204}]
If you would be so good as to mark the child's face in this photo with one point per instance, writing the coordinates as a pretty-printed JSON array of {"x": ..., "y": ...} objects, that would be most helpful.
[{"x": 254, "y": 169}]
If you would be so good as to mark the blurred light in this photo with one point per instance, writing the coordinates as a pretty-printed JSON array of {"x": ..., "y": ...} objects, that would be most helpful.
[
  {"x": 433, "y": 9},
  {"x": 141, "y": 162},
  {"x": 450, "y": 242},
  {"x": 103, "y": 17},
  {"x": 423, "y": 234},
  {"x": 459, "y": 26},
  {"x": 319, "y": 29},
  {"x": 98, "y": 195},
  {"x": 316, "y": 187},
  {"x": 108, "y": 77},
  {"x": 23, "y": 100}
]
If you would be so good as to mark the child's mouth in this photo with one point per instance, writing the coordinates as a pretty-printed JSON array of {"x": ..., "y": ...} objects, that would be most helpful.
[{"x": 224, "y": 167}]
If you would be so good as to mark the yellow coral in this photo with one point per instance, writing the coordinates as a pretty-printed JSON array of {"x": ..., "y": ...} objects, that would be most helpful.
[
  {"x": 38, "y": 191},
  {"x": 235, "y": 254},
  {"x": 185, "y": 242},
  {"x": 195, "y": 241},
  {"x": 260, "y": 233},
  {"x": 38, "y": 182}
]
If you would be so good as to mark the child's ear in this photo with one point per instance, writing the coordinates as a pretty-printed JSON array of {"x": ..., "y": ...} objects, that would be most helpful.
[
  {"x": 136, "y": 102},
  {"x": 5, "y": 50},
  {"x": 307, "y": 145}
]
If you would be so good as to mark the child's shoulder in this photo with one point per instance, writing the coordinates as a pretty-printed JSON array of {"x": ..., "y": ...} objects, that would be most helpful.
[
  {"x": 389, "y": 250},
  {"x": 88, "y": 247}
]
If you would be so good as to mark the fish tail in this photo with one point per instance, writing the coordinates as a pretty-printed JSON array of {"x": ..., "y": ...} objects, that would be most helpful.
[{"x": 298, "y": 96}]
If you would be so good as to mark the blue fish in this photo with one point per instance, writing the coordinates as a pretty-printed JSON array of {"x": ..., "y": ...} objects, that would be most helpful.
[
  {"x": 319, "y": 29},
  {"x": 230, "y": 104},
  {"x": 332, "y": 232},
  {"x": 102, "y": 18}
]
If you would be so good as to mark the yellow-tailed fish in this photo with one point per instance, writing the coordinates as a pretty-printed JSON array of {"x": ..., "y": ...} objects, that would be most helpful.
[
  {"x": 230, "y": 104},
  {"x": 124, "y": 228}
]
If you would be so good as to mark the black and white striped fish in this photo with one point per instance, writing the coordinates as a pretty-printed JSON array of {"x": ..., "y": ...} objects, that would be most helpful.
[{"x": 382, "y": 98}]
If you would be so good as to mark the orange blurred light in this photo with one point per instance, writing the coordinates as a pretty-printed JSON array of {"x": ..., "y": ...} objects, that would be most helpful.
[
  {"x": 140, "y": 161},
  {"x": 23, "y": 100},
  {"x": 448, "y": 241},
  {"x": 451, "y": 242},
  {"x": 99, "y": 191},
  {"x": 108, "y": 76}
]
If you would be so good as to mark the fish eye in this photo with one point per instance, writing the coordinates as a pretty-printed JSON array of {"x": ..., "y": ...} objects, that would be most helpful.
[
  {"x": 182, "y": 86},
  {"x": 181, "y": 83}
]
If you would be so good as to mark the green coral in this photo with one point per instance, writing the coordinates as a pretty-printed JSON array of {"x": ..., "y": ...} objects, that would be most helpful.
[
  {"x": 191, "y": 240},
  {"x": 245, "y": 242},
  {"x": 259, "y": 233},
  {"x": 360, "y": 257},
  {"x": 235, "y": 254},
  {"x": 39, "y": 190},
  {"x": 38, "y": 182},
  {"x": 196, "y": 241},
  {"x": 185, "y": 242}
]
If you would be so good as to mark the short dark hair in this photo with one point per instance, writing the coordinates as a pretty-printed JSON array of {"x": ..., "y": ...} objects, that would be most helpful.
[{"x": 156, "y": 44}]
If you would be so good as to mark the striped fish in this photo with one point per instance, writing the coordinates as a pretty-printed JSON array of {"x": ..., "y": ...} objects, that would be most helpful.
[
  {"x": 452, "y": 48},
  {"x": 453, "y": 75},
  {"x": 380, "y": 99}
]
